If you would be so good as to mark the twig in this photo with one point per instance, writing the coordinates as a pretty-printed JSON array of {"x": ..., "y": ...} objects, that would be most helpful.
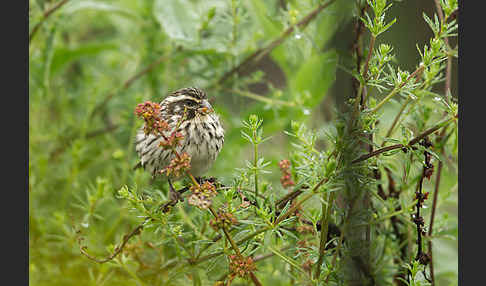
[
  {"x": 290, "y": 196},
  {"x": 292, "y": 209},
  {"x": 134, "y": 232},
  {"x": 399, "y": 114},
  {"x": 432, "y": 216},
  {"x": 368, "y": 58},
  {"x": 377, "y": 152},
  {"x": 438, "y": 8},
  {"x": 447, "y": 84},
  {"x": 118, "y": 249},
  {"x": 255, "y": 279},
  {"x": 410, "y": 143},
  {"x": 422, "y": 257},
  {"x": 268, "y": 48},
  {"x": 226, "y": 233},
  {"x": 341, "y": 238},
  {"x": 434, "y": 204},
  {"x": 44, "y": 18}
]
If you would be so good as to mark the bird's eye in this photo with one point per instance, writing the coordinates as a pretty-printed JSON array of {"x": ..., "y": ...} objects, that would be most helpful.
[{"x": 189, "y": 102}]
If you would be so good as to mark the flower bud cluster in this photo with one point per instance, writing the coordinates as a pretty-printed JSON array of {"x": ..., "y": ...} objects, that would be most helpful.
[
  {"x": 202, "y": 195},
  {"x": 304, "y": 228},
  {"x": 173, "y": 140},
  {"x": 286, "y": 179},
  {"x": 150, "y": 112},
  {"x": 178, "y": 165},
  {"x": 241, "y": 266},
  {"x": 223, "y": 219}
]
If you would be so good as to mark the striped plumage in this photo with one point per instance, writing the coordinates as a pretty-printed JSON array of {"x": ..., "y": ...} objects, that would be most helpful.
[{"x": 203, "y": 133}]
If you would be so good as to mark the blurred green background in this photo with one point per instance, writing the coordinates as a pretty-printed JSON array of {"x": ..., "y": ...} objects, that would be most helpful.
[{"x": 83, "y": 88}]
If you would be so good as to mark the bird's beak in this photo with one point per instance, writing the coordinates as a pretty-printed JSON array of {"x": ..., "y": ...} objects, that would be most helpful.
[{"x": 205, "y": 108}]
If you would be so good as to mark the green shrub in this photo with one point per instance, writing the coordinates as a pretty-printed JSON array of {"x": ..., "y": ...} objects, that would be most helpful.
[{"x": 356, "y": 200}]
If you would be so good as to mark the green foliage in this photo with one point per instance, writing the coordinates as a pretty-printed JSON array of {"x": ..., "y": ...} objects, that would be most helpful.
[{"x": 91, "y": 62}]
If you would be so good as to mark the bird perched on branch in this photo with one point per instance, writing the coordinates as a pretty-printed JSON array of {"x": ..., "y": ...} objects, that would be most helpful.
[{"x": 189, "y": 118}]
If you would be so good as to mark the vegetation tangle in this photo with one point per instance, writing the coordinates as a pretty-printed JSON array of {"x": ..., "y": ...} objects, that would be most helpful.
[{"x": 360, "y": 199}]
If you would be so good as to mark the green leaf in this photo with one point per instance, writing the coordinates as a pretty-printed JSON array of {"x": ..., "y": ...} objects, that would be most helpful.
[
  {"x": 270, "y": 28},
  {"x": 314, "y": 77},
  {"x": 76, "y": 6},
  {"x": 178, "y": 19},
  {"x": 63, "y": 56}
]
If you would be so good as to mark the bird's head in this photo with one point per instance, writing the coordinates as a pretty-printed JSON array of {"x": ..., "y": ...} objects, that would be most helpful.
[{"x": 192, "y": 101}]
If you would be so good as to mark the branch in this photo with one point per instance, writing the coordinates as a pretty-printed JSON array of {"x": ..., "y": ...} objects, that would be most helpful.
[
  {"x": 432, "y": 216},
  {"x": 368, "y": 58},
  {"x": 290, "y": 196},
  {"x": 268, "y": 48},
  {"x": 410, "y": 143},
  {"x": 118, "y": 249},
  {"x": 292, "y": 209},
  {"x": 427, "y": 170},
  {"x": 44, "y": 18}
]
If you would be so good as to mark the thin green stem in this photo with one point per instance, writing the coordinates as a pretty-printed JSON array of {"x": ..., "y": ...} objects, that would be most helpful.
[
  {"x": 326, "y": 214},
  {"x": 417, "y": 72},
  {"x": 395, "y": 121},
  {"x": 255, "y": 165},
  {"x": 287, "y": 259}
]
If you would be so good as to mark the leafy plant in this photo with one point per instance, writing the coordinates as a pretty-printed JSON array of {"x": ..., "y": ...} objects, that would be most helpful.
[{"x": 362, "y": 199}]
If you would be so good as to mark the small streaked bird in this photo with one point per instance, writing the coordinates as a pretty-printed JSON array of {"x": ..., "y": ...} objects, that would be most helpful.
[{"x": 186, "y": 111}]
